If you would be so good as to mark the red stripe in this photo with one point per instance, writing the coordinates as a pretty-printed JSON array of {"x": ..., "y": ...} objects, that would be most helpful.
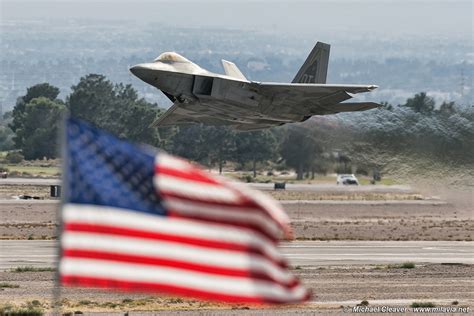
[
  {"x": 192, "y": 174},
  {"x": 242, "y": 206},
  {"x": 128, "y": 232},
  {"x": 201, "y": 176},
  {"x": 260, "y": 229},
  {"x": 155, "y": 261},
  {"x": 129, "y": 286},
  {"x": 243, "y": 203}
]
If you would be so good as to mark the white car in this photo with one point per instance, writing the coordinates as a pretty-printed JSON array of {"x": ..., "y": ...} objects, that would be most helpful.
[{"x": 347, "y": 179}]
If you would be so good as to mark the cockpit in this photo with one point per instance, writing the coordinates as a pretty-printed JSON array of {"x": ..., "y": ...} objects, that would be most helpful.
[{"x": 171, "y": 57}]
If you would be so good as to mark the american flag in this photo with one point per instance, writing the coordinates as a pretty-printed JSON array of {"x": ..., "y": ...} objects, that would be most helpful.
[{"x": 136, "y": 219}]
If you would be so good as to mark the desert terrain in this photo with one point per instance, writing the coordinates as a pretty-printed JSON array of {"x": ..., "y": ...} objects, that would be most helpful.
[{"x": 321, "y": 215}]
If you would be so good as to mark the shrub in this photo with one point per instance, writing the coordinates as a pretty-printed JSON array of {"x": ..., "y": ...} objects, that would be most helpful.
[
  {"x": 32, "y": 269},
  {"x": 14, "y": 157},
  {"x": 408, "y": 265},
  {"x": 248, "y": 178},
  {"x": 10, "y": 310},
  {"x": 422, "y": 304},
  {"x": 8, "y": 285}
]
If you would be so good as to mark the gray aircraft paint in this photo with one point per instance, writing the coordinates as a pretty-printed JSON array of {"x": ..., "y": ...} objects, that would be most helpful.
[{"x": 200, "y": 96}]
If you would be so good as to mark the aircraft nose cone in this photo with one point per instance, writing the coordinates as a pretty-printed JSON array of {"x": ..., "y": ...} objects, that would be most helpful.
[
  {"x": 139, "y": 70},
  {"x": 144, "y": 72}
]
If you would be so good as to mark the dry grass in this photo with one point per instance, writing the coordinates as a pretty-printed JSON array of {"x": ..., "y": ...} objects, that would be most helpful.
[
  {"x": 34, "y": 170},
  {"x": 346, "y": 196},
  {"x": 5, "y": 285},
  {"x": 32, "y": 269},
  {"x": 7, "y": 191}
]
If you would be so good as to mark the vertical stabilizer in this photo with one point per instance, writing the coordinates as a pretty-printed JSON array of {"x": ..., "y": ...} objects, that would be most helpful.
[
  {"x": 315, "y": 68},
  {"x": 231, "y": 70}
]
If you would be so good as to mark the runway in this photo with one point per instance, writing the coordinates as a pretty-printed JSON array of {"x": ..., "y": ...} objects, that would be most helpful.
[
  {"x": 30, "y": 181},
  {"x": 324, "y": 187},
  {"x": 319, "y": 253},
  {"x": 42, "y": 253},
  {"x": 283, "y": 202},
  {"x": 321, "y": 187}
]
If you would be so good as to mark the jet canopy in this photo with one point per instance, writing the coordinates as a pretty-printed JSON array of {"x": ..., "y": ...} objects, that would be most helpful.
[{"x": 172, "y": 57}]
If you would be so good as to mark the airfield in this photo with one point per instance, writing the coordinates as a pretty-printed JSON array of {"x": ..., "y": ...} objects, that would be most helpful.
[{"x": 389, "y": 245}]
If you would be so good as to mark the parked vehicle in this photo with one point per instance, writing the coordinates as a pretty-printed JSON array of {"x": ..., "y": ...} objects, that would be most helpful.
[{"x": 347, "y": 179}]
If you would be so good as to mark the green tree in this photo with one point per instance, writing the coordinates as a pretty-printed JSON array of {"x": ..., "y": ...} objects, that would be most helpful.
[
  {"x": 255, "y": 147},
  {"x": 40, "y": 128},
  {"x": 145, "y": 113},
  {"x": 116, "y": 108},
  {"x": 41, "y": 90},
  {"x": 6, "y": 138},
  {"x": 344, "y": 163},
  {"x": 94, "y": 100},
  {"x": 219, "y": 143},
  {"x": 299, "y": 148},
  {"x": 447, "y": 108},
  {"x": 421, "y": 102},
  {"x": 188, "y": 142},
  {"x": 44, "y": 90},
  {"x": 208, "y": 145}
]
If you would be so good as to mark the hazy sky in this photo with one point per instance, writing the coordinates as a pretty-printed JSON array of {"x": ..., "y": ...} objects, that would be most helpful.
[{"x": 382, "y": 17}]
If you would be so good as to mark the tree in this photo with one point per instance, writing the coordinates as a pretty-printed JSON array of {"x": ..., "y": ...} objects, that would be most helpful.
[
  {"x": 40, "y": 128},
  {"x": 206, "y": 144},
  {"x": 188, "y": 142},
  {"x": 219, "y": 143},
  {"x": 6, "y": 135},
  {"x": 255, "y": 147},
  {"x": 299, "y": 149},
  {"x": 44, "y": 90},
  {"x": 421, "y": 102},
  {"x": 41, "y": 90},
  {"x": 115, "y": 108},
  {"x": 447, "y": 108},
  {"x": 94, "y": 100},
  {"x": 143, "y": 113}
]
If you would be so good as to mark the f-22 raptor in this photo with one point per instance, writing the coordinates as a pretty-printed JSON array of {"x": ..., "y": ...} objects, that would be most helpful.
[{"x": 200, "y": 96}]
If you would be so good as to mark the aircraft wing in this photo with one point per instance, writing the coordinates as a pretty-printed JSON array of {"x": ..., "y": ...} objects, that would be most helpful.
[
  {"x": 311, "y": 99},
  {"x": 279, "y": 104},
  {"x": 310, "y": 89},
  {"x": 178, "y": 115},
  {"x": 174, "y": 116}
]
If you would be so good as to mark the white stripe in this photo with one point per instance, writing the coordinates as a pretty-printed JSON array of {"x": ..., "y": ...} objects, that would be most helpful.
[
  {"x": 200, "y": 190},
  {"x": 241, "y": 215},
  {"x": 116, "y": 217},
  {"x": 172, "y": 250},
  {"x": 172, "y": 162},
  {"x": 206, "y": 191},
  {"x": 170, "y": 276},
  {"x": 266, "y": 202}
]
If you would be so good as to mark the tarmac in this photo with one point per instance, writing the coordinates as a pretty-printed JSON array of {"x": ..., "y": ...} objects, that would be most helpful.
[
  {"x": 320, "y": 187},
  {"x": 29, "y": 181},
  {"x": 43, "y": 253}
]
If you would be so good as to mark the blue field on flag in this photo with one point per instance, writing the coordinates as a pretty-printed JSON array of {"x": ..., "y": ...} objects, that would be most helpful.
[{"x": 138, "y": 219}]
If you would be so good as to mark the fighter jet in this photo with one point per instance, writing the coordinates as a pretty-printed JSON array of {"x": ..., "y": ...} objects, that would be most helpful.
[{"x": 200, "y": 96}]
